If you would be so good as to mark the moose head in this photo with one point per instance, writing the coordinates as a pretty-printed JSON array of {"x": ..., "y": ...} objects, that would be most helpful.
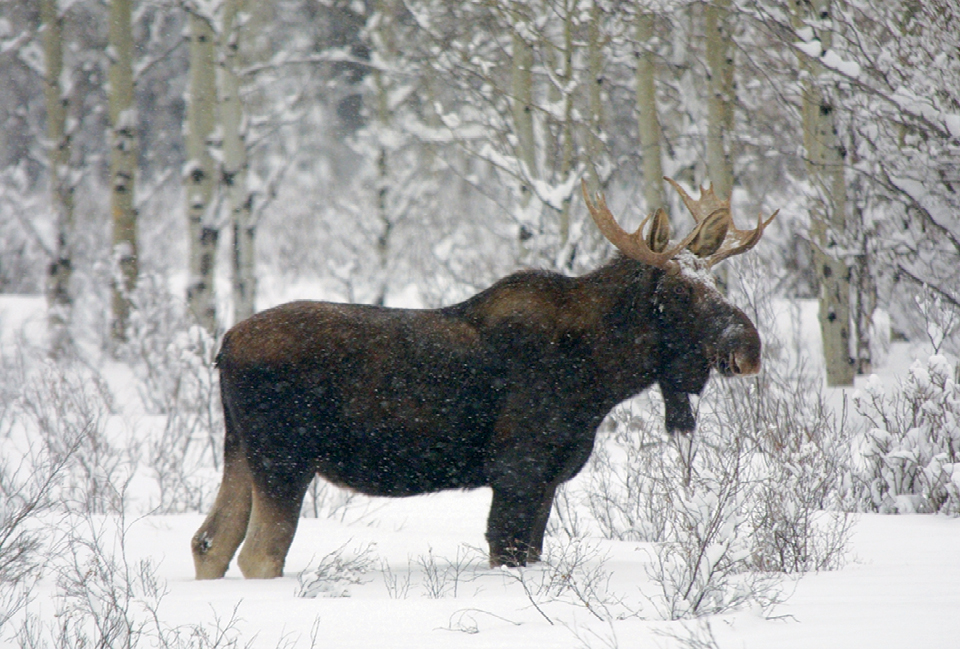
[{"x": 699, "y": 328}]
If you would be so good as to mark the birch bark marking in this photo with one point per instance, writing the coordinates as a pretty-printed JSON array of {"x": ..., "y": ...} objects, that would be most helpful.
[
  {"x": 60, "y": 269},
  {"x": 648, "y": 120},
  {"x": 825, "y": 166},
  {"x": 123, "y": 165},
  {"x": 199, "y": 171}
]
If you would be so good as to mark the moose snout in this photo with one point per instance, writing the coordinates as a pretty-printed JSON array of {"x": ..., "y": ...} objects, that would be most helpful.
[
  {"x": 738, "y": 350},
  {"x": 744, "y": 363}
]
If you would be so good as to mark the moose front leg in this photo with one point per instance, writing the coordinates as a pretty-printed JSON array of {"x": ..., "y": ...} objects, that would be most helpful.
[
  {"x": 540, "y": 525},
  {"x": 511, "y": 532},
  {"x": 678, "y": 416}
]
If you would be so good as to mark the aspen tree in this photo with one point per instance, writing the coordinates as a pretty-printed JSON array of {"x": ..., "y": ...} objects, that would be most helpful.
[
  {"x": 385, "y": 48},
  {"x": 648, "y": 119},
  {"x": 720, "y": 105},
  {"x": 203, "y": 232},
  {"x": 825, "y": 168},
  {"x": 60, "y": 269},
  {"x": 235, "y": 164},
  {"x": 720, "y": 101},
  {"x": 123, "y": 165},
  {"x": 594, "y": 143}
]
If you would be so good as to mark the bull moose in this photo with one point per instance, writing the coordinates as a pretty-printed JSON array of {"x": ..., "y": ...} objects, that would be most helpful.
[{"x": 505, "y": 390}]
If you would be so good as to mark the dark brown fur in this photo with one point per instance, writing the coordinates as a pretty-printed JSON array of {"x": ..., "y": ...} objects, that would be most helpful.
[{"x": 505, "y": 390}]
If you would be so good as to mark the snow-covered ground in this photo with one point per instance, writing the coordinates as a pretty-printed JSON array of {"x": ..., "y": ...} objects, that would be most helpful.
[{"x": 900, "y": 589}]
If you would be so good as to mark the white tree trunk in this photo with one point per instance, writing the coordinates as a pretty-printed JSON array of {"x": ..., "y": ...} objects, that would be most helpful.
[
  {"x": 825, "y": 165},
  {"x": 865, "y": 294},
  {"x": 385, "y": 48},
  {"x": 123, "y": 165},
  {"x": 564, "y": 94},
  {"x": 234, "y": 174},
  {"x": 59, "y": 272},
  {"x": 720, "y": 101},
  {"x": 523, "y": 116},
  {"x": 199, "y": 173},
  {"x": 648, "y": 119},
  {"x": 594, "y": 143}
]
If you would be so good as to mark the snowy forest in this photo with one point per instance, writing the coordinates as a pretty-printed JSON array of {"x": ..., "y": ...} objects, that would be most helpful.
[{"x": 170, "y": 167}]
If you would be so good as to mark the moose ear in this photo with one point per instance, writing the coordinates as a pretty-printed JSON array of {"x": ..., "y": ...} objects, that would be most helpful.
[
  {"x": 712, "y": 234},
  {"x": 659, "y": 235}
]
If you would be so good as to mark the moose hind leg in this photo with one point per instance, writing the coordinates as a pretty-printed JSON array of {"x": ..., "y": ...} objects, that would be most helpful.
[
  {"x": 215, "y": 543},
  {"x": 273, "y": 523}
]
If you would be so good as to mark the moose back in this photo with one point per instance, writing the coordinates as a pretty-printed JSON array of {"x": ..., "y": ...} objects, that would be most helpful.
[{"x": 505, "y": 390}]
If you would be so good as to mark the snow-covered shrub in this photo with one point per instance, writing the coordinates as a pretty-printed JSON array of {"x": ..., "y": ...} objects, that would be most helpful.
[
  {"x": 745, "y": 498},
  {"x": 335, "y": 571},
  {"x": 25, "y": 493},
  {"x": 396, "y": 583},
  {"x": 103, "y": 599},
  {"x": 173, "y": 360},
  {"x": 443, "y": 576},
  {"x": 703, "y": 565},
  {"x": 909, "y": 459},
  {"x": 623, "y": 491},
  {"x": 157, "y": 321},
  {"x": 796, "y": 462},
  {"x": 186, "y": 455},
  {"x": 12, "y": 373},
  {"x": 941, "y": 321},
  {"x": 791, "y": 532},
  {"x": 100, "y": 594},
  {"x": 71, "y": 408},
  {"x": 571, "y": 571}
]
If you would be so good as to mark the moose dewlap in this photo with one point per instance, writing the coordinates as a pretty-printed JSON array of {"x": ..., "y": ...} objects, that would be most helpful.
[{"x": 505, "y": 390}]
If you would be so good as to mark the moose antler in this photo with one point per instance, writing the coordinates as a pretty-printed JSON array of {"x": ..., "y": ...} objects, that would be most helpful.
[
  {"x": 634, "y": 245},
  {"x": 733, "y": 241}
]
